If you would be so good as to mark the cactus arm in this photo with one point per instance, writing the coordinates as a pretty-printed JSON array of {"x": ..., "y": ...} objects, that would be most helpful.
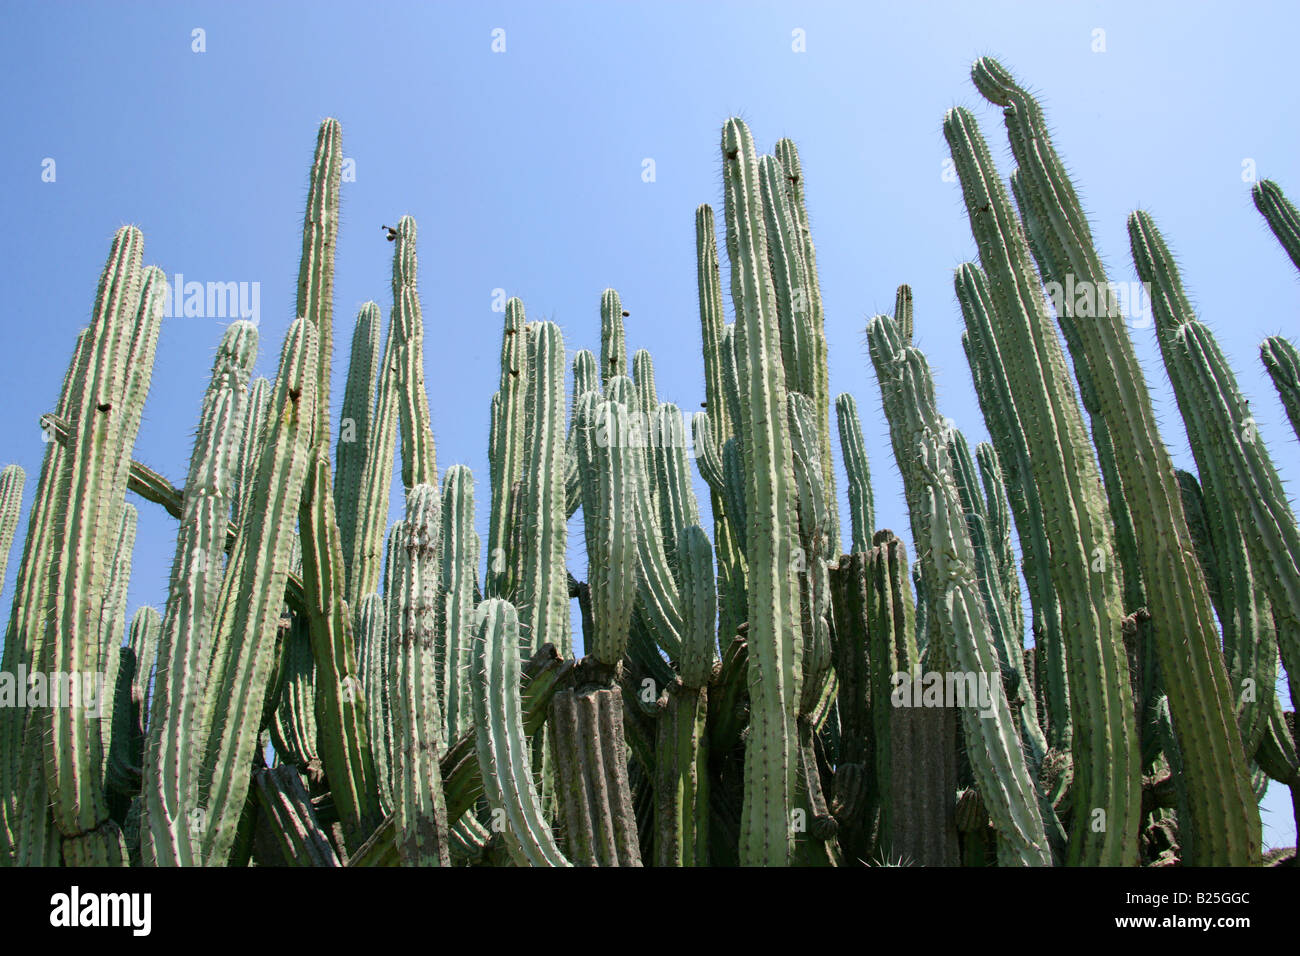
[
  {"x": 355, "y": 424},
  {"x": 1105, "y": 743},
  {"x": 507, "y": 442},
  {"x": 1282, "y": 360},
  {"x": 861, "y": 505},
  {"x": 613, "y": 343},
  {"x": 502, "y": 746},
  {"x": 459, "y": 568},
  {"x": 774, "y": 638},
  {"x": 419, "y": 803},
  {"x": 248, "y": 608},
  {"x": 1281, "y": 215},
  {"x": 419, "y": 461},
  {"x": 12, "y": 480}
]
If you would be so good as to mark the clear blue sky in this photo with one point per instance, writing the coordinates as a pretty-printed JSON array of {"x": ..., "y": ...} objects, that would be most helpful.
[{"x": 524, "y": 171}]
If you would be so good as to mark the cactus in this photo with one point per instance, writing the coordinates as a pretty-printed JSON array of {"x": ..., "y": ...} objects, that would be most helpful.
[
  {"x": 738, "y": 703},
  {"x": 1281, "y": 216}
]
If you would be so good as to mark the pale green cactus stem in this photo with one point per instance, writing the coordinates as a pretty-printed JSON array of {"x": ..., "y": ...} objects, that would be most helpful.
[
  {"x": 419, "y": 804},
  {"x": 713, "y": 328},
  {"x": 459, "y": 579},
  {"x": 1282, "y": 360},
  {"x": 316, "y": 269},
  {"x": 789, "y": 281},
  {"x": 903, "y": 312},
  {"x": 248, "y": 447},
  {"x": 104, "y": 417},
  {"x": 544, "y": 588},
  {"x": 613, "y": 343},
  {"x": 1238, "y": 476},
  {"x": 355, "y": 424},
  {"x": 1282, "y": 216},
  {"x": 365, "y": 564},
  {"x": 506, "y": 453},
  {"x": 340, "y": 705},
  {"x": 672, "y": 478},
  {"x": 643, "y": 375},
  {"x": 1105, "y": 742},
  {"x": 861, "y": 504},
  {"x": 293, "y": 724},
  {"x": 958, "y": 615},
  {"x": 112, "y": 616},
  {"x": 375, "y": 660},
  {"x": 996, "y": 397},
  {"x": 344, "y": 748},
  {"x": 250, "y": 601},
  {"x": 503, "y": 750},
  {"x": 609, "y": 467},
  {"x": 788, "y": 154},
  {"x": 586, "y": 378},
  {"x": 998, "y": 514},
  {"x": 891, "y": 632},
  {"x": 1184, "y": 632},
  {"x": 12, "y": 480},
  {"x": 174, "y": 749},
  {"x": 775, "y": 673},
  {"x": 419, "y": 460}
]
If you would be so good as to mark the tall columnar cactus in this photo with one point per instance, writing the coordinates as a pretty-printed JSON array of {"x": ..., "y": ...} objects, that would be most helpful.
[
  {"x": 1282, "y": 359},
  {"x": 957, "y": 611},
  {"x": 506, "y": 446},
  {"x": 1105, "y": 745},
  {"x": 355, "y": 427},
  {"x": 1224, "y": 436},
  {"x": 104, "y": 415},
  {"x": 419, "y": 804},
  {"x": 248, "y": 607},
  {"x": 12, "y": 480},
  {"x": 419, "y": 460},
  {"x": 862, "y": 512},
  {"x": 186, "y": 646},
  {"x": 1185, "y": 634},
  {"x": 1281, "y": 214},
  {"x": 775, "y": 675},
  {"x": 503, "y": 751},
  {"x": 455, "y": 615}
]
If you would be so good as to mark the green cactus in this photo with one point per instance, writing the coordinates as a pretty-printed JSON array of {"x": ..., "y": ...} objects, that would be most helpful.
[{"x": 1281, "y": 215}]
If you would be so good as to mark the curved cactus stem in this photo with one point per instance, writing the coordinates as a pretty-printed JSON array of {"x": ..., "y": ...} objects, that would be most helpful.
[
  {"x": 248, "y": 608},
  {"x": 1282, "y": 216},
  {"x": 502, "y": 747},
  {"x": 12, "y": 480}
]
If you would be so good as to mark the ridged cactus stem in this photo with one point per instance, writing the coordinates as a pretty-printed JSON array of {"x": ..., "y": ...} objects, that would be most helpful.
[
  {"x": 459, "y": 579},
  {"x": 503, "y": 750},
  {"x": 12, "y": 480},
  {"x": 1223, "y": 434},
  {"x": 316, "y": 270},
  {"x": 104, "y": 417},
  {"x": 1105, "y": 741},
  {"x": 355, "y": 424},
  {"x": 1282, "y": 360},
  {"x": 959, "y": 615},
  {"x": 174, "y": 748},
  {"x": 250, "y": 602},
  {"x": 1282, "y": 216},
  {"x": 775, "y": 673},
  {"x": 419, "y": 803},
  {"x": 507, "y": 442},
  {"x": 613, "y": 344},
  {"x": 419, "y": 460},
  {"x": 544, "y": 589},
  {"x": 862, "y": 512}
]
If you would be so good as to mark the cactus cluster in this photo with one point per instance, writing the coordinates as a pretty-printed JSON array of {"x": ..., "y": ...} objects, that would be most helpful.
[{"x": 323, "y": 689}]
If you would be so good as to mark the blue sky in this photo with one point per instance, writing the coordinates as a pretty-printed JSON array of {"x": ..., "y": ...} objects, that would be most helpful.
[{"x": 524, "y": 169}]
